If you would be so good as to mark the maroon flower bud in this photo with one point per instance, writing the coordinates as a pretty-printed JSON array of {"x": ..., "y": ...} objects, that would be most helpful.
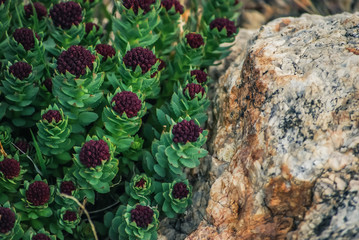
[
  {"x": 142, "y": 216},
  {"x": 94, "y": 152},
  {"x": 194, "y": 40},
  {"x": 105, "y": 50},
  {"x": 40, "y": 9},
  {"x": 66, "y": 14},
  {"x": 25, "y": 37},
  {"x": 23, "y": 145},
  {"x": 168, "y": 4},
  {"x": 51, "y": 115},
  {"x": 135, "y": 4},
  {"x": 7, "y": 220},
  {"x": 10, "y": 168},
  {"x": 180, "y": 190},
  {"x": 141, "y": 183},
  {"x": 127, "y": 102},
  {"x": 40, "y": 236},
  {"x": 89, "y": 27},
  {"x": 140, "y": 56},
  {"x": 70, "y": 216},
  {"x": 20, "y": 70},
  {"x": 186, "y": 131},
  {"x": 193, "y": 89},
  {"x": 75, "y": 60},
  {"x": 67, "y": 187},
  {"x": 200, "y": 76},
  {"x": 221, "y": 23},
  {"x": 38, "y": 193},
  {"x": 48, "y": 84}
]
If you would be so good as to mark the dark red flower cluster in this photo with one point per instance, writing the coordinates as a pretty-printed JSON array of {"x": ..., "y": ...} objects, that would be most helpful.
[
  {"x": 180, "y": 190},
  {"x": 20, "y": 70},
  {"x": 127, "y": 102},
  {"x": 200, "y": 76},
  {"x": 221, "y": 23},
  {"x": 40, "y": 9},
  {"x": 41, "y": 236},
  {"x": 105, "y": 50},
  {"x": 23, "y": 145},
  {"x": 89, "y": 26},
  {"x": 25, "y": 37},
  {"x": 7, "y": 220},
  {"x": 75, "y": 60},
  {"x": 186, "y": 131},
  {"x": 194, "y": 40},
  {"x": 142, "y": 216},
  {"x": 70, "y": 216},
  {"x": 10, "y": 168},
  {"x": 168, "y": 4},
  {"x": 141, "y": 183},
  {"x": 140, "y": 56},
  {"x": 51, "y": 115},
  {"x": 67, "y": 187},
  {"x": 193, "y": 89},
  {"x": 66, "y": 14},
  {"x": 94, "y": 152},
  {"x": 48, "y": 84},
  {"x": 145, "y": 5},
  {"x": 38, "y": 193}
]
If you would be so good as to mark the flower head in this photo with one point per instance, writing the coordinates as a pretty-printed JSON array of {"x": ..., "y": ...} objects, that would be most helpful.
[
  {"x": 94, "y": 152},
  {"x": 200, "y": 76},
  {"x": 70, "y": 216},
  {"x": 38, "y": 193},
  {"x": 40, "y": 9},
  {"x": 40, "y": 236},
  {"x": 194, "y": 40},
  {"x": 51, "y": 115},
  {"x": 141, "y": 183},
  {"x": 168, "y": 4},
  {"x": 89, "y": 26},
  {"x": 142, "y": 216},
  {"x": 7, "y": 220},
  {"x": 75, "y": 60},
  {"x": 23, "y": 145},
  {"x": 67, "y": 187},
  {"x": 180, "y": 190},
  {"x": 136, "y": 4},
  {"x": 25, "y": 37},
  {"x": 186, "y": 131},
  {"x": 221, "y": 23},
  {"x": 48, "y": 84},
  {"x": 193, "y": 89},
  {"x": 127, "y": 102},
  {"x": 140, "y": 56},
  {"x": 10, "y": 168},
  {"x": 105, "y": 50},
  {"x": 66, "y": 14},
  {"x": 20, "y": 70}
]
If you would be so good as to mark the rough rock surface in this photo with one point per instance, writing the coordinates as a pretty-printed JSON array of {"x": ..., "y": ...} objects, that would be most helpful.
[{"x": 285, "y": 144}]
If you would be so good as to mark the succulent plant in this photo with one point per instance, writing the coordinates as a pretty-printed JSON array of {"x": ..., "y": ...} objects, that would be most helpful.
[
  {"x": 40, "y": 9},
  {"x": 174, "y": 198},
  {"x": 134, "y": 222},
  {"x": 95, "y": 165},
  {"x": 68, "y": 187},
  {"x": 139, "y": 189},
  {"x": 200, "y": 76},
  {"x": 53, "y": 136},
  {"x": 109, "y": 58},
  {"x": 36, "y": 197},
  {"x": 68, "y": 218},
  {"x": 10, "y": 228},
  {"x": 11, "y": 173},
  {"x": 5, "y": 136},
  {"x": 223, "y": 23},
  {"x": 31, "y": 234},
  {"x": 93, "y": 34},
  {"x": 67, "y": 28}
]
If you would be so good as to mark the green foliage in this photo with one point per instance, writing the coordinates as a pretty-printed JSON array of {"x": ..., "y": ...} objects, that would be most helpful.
[{"x": 144, "y": 162}]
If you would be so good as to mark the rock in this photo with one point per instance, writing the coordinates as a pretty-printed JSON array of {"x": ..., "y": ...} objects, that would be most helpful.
[{"x": 285, "y": 134}]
